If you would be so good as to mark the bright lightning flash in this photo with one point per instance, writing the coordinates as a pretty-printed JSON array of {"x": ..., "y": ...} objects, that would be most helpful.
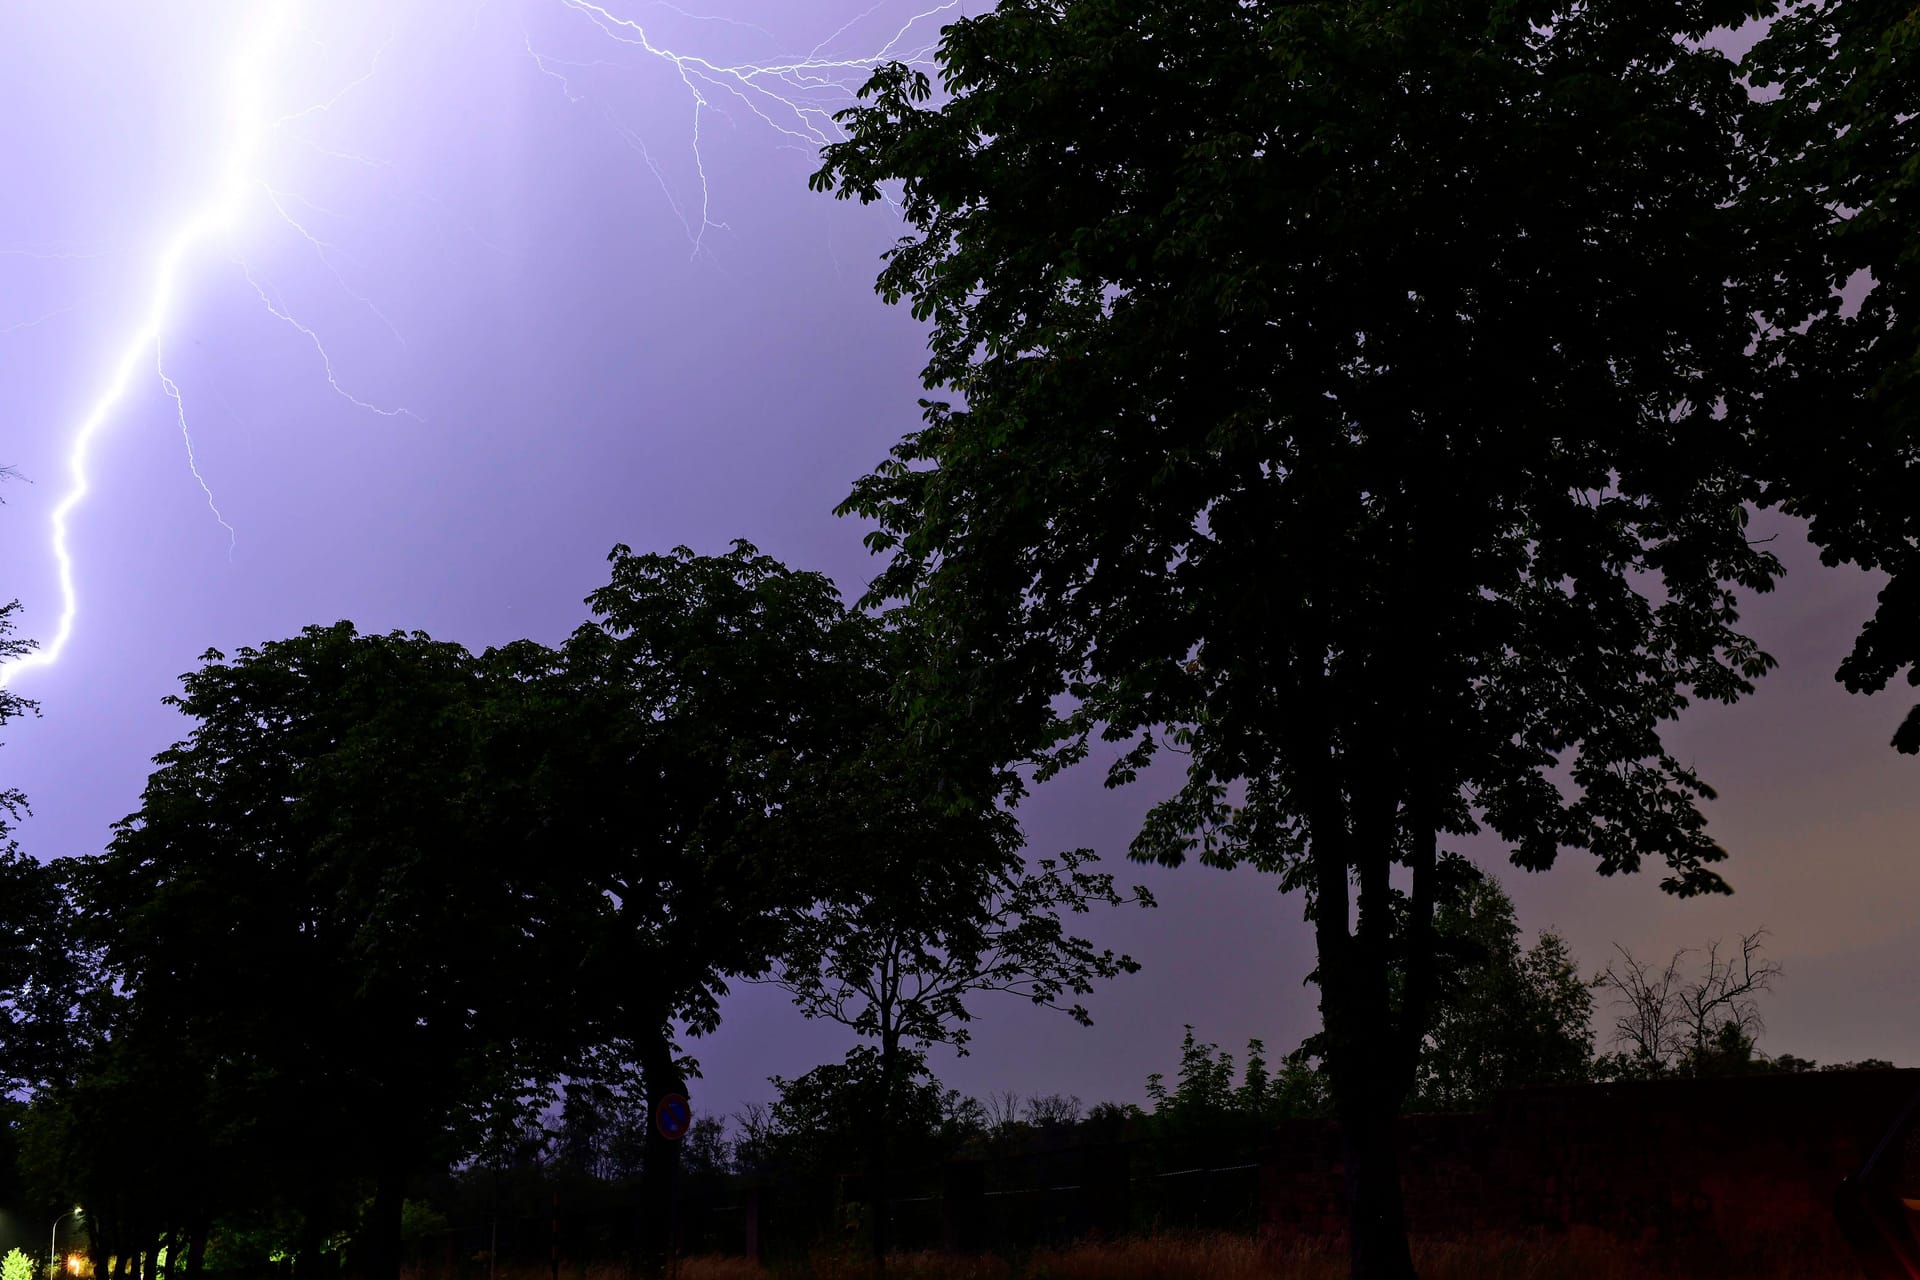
[
  {"x": 219, "y": 216},
  {"x": 794, "y": 99}
]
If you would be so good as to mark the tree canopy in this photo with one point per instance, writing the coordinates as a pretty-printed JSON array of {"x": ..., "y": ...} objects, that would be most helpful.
[
  {"x": 324, "y": 936},
  {"x": 1358, "y": 398},
  {"x": 1504, "y": 1016},
  {"x": 1832, "y": 205}
]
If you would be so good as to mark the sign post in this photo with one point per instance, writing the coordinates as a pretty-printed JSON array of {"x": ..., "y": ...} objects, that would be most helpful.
[{"x": 673, "y": 1116}]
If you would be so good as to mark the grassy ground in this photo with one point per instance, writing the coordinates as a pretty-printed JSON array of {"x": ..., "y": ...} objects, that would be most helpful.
[{"x": 1573, "y": 1256}]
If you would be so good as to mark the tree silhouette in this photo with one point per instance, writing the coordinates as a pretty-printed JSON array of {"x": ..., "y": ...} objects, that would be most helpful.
[
  {"x": 1672, "y": 1022},
  {"x": 688, "y": 728},
  {"x": 1832, "y": 203},
  {"x": 1355, "y": 398},
  {"x": 928, "y": 901},
  {"x": 327, "y": 936},
  {"x": 1503, "y": 1016}
]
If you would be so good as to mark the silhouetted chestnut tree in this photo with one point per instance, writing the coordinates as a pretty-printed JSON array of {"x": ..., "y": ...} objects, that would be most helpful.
[
  {"x": 1357, "y": 398},
  {"x": 330, "y": 950},
  {"x": 682, "y": 802},
  {"x": 935, "y": 908},
  {"x": 1832, "y": 202}
]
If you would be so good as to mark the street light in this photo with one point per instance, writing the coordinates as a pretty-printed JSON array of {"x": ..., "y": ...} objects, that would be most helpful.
[{"x": 53, "y": 1240}]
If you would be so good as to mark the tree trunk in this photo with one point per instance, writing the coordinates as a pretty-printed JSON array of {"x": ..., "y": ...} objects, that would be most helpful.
[
  {"x": 307, "y": 1261},
  {"x": 880, "y": 1160},
  {"x": 1362, "y": 1040},
  {"x": 98, "y": 1252},
  {"x": 662, "y": 1155},
  {"x": 196, "y": 1248},
  {"x": 380, "y": 1246},
  {"x": 1376, "y": 1217}
]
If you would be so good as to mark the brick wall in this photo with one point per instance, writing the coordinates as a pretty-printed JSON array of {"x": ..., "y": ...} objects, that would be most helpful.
[{"x": 1731, "y": 1164}]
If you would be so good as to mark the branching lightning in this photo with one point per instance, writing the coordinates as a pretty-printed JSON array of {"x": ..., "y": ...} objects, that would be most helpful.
[
  {"x": 219, "y": 216},
  {"x": 172, "y": 389},
  {"x": 280, "y": 312},
  {"x": 794, "y": 98}
]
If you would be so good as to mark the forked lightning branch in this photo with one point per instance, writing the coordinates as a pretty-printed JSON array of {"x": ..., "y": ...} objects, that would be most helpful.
[{"x": 792, "y": 99}]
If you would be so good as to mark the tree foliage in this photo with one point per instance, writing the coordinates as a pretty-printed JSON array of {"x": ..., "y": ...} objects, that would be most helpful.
[
  {"x": 1832, "y": 206},
  {"x": 1355, "y": 397},
  {"x": 895, "y": 957},
  {"x": 821, "y": 1121},
  {"x": 1504, "y": 1016},
  {"x": 324, "y": 934},
  {"x": 682, "y": 813},
  {"x": 927, "y": 900},
  {"x": 718, "y": 687},
  {"x": 602, "y": 1124},
  {"x": 1205, "y": 1103},
  {"x": 43, "y": 962}
]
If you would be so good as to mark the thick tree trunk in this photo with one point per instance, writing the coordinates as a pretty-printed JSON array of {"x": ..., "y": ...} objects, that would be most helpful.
[
  {"x": 309, "y": 1262},
  {"x": 1362, "y": 1039},
  {"x": 1376, "y": 1217},
  {"x": 880, "y": 1161},
  {"x": 662, "y": 1155},
  {"x": 381, "y": 1243}
]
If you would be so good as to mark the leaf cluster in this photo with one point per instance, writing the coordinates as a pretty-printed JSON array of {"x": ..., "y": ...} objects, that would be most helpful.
[
  {"x": 1300, "y": 419},
  {"x": 1834, "y": 199}
]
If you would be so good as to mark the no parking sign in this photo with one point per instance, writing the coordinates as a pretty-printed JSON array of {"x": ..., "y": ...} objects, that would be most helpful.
[{"x": 673, "y": 1115}]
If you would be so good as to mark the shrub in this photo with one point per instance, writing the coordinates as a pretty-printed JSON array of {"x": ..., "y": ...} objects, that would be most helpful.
[{"x": 16, "y": 1266}]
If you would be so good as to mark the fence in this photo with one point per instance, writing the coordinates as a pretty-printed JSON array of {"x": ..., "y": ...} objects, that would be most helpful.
[
  {"x": 1003, "y": 1205},
  {"x": 1726, "y": 1164}
]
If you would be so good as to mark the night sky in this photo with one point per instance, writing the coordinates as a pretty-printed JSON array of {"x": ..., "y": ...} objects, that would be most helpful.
[{"x": 564, "y": 305}]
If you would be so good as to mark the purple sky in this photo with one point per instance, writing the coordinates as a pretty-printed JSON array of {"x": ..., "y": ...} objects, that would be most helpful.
[{"x": 500, "y": 231}]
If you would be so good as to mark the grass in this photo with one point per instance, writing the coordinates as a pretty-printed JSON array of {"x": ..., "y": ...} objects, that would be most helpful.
[{"x": 1574, "y": 1255}]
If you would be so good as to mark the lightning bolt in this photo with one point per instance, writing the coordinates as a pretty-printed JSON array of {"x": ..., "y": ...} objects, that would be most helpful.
[
  {"x": 220, "y": 215},
  {"x": 172, "y": 389},
  {"x": 793, "y": 98}
]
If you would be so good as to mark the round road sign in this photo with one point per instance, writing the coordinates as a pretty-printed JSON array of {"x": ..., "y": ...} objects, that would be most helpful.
[{"x": 673, "y": 1115}]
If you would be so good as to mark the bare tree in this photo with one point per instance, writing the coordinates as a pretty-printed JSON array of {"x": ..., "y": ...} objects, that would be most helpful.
[
  {"x": 1665, "y": 1017},
  {"x": 1053, "y": 1111},
  {"x": 753, "y": 1149},
  {"x": 1726, "y": 994},
  {"x": 1648, "y": 1024},
  {"x": 1003, "y": 1111}
]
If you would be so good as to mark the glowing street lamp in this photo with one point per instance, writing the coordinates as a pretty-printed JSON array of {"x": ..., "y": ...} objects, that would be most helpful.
[{"x": 53, "y": 1241}]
